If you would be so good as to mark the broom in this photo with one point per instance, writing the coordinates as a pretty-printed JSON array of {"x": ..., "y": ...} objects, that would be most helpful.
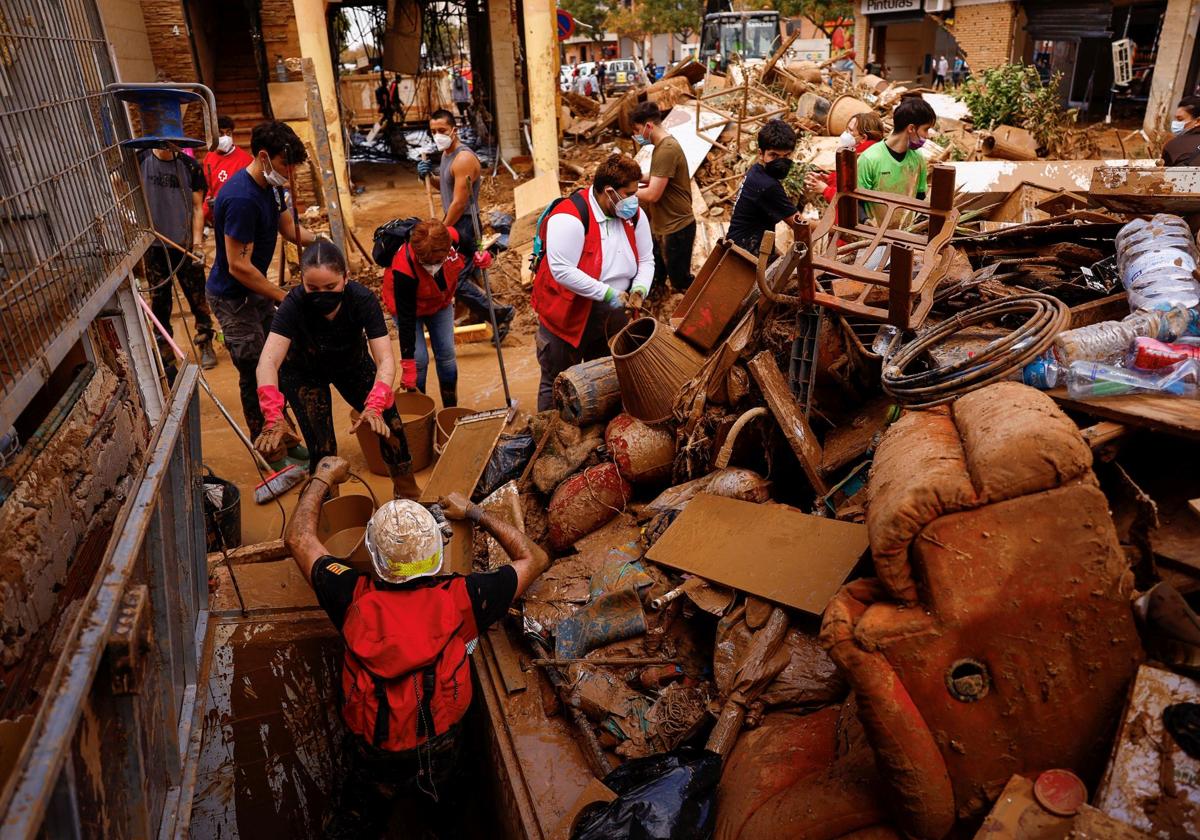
[{"x": 277, "y": 482}]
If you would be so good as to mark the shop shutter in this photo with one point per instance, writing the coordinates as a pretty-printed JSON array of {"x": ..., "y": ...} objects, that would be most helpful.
[{"x": 1055, "y": 20}]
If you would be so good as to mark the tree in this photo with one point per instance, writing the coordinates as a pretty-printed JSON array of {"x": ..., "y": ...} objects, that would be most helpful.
[
  {"x": 627, "y": 23},
  {"x": 820, "y": 12},
  {"x": 682, "y": 18},
  {"x": 592, "y": 13}
]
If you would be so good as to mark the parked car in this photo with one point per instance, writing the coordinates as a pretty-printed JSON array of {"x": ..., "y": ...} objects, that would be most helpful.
[{"x": 621, "y": 74}]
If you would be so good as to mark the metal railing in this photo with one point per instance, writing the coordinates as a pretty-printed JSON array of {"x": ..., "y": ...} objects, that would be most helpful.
[
  {"x": 72, "y": 222},
  {"x": 113, "y": 748}
]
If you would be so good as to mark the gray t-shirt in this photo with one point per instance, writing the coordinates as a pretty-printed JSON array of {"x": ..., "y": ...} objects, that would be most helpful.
[
  {"x": 169, "y": 188},
  {"x": 466, "y": 231}
]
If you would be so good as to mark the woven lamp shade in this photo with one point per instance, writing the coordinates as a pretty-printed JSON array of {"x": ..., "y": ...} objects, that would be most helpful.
[{"x": 653, "y": 364}]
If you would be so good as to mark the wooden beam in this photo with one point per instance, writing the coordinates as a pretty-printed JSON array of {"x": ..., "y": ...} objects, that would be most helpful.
[
  {"x": 791, "y": 420},
  {"x": 316, "y": 116},
  {"x": 1103, "y": 432}
]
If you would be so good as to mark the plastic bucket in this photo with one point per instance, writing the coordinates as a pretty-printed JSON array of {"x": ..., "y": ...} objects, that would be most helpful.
[
  {"x": 444, "y": 426},
  {"x": 416, "y": 412},
  {"x": 840, "y": 112},
  {"x": 342, "y": 525},
  {"x": 223, "y": 525}
]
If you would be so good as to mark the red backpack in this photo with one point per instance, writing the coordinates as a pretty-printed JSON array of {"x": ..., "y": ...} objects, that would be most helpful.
[{"x": 405, "y": 675}]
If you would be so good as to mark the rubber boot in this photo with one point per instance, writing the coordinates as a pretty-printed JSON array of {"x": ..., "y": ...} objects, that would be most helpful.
[
  {"x": 450, "y": 396},
  {"x": 405, "y": 487}
]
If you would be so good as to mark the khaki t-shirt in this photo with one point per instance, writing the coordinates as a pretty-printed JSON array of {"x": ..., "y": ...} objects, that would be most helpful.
[{"x": 672, "y": 211}]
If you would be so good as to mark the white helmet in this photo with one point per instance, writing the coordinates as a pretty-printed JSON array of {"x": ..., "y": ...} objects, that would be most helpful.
[{"x": 404, "y": 541}]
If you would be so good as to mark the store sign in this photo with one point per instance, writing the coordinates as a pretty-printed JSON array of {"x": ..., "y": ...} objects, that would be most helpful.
[{"x": 879, "y": 7}]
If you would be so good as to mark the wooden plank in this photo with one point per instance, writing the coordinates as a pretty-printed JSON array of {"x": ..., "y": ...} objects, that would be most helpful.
[
  {"x": 1194, "y": 505},
  {"x": 508, "y": 663},
  {"x": 1103, "y": 432},
  {"x": 465, "y": 455},
  {"x": 1111, "y": 308},
  {"x": 772, "y": 551},
  {"x": 1173, "y": 415},
  {"x": 316, "y": 116},
  {"x": 255, "y": 553},
  {"x": 791, "y": 420}
]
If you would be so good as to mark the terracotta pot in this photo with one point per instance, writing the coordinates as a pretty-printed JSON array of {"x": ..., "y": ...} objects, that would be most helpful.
[
  {"x": 585, "y": 502},
  {"x": 653, "y": 364},
  {"x": 643, "y": 454}
]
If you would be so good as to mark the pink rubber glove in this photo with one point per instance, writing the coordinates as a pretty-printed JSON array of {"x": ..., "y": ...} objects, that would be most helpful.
[
  {"x": 408, "y": 374},
  {"x": 381, "y": 397},
  {"x": 271, "y": 401},
  {"x": 483, "y": 259}
]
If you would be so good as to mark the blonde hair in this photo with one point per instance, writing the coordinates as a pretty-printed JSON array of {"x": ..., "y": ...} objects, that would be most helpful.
[{"x": 869, "y": 125}]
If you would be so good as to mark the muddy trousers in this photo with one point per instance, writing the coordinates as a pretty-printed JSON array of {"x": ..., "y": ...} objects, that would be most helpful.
[
  {"x": 159, "y": 263},
  {"x": 555, "y": 355},
  {"x": 245, "y": 322},
  {"x": 673, "y": 259},
  {"x": 375, "y": 780},
  {"x": 308, "y": 394}
]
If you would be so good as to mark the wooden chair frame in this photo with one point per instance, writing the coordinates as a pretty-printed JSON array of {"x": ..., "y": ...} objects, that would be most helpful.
[{"x": 909, "y": 296}]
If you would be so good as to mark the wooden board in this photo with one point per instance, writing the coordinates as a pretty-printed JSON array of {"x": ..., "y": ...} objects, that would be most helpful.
[
  {"x": 508, "y": 663},
  {"x": 1173, "y": 415},
  {"x": 772, "y": 551},
  {"x": 791, "y": 420},
  {"x": 531, "y": 197},
  {"x": 464, "y": 457},
  {"x": 289, "y": 100},
  {"x": 273, "y": 584}
]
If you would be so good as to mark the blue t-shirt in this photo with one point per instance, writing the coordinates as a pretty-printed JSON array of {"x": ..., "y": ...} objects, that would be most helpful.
[{"x": 249, "y": 213}]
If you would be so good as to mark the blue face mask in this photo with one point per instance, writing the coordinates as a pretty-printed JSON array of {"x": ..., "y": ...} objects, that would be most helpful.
[
  {"x": 1177, "y": 126},
  {"x": 640, "y": 140},
  {"x": 625, "y": 208}
]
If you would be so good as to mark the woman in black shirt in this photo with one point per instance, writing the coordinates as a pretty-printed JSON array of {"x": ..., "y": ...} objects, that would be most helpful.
[{"x": 330, "y": 331}]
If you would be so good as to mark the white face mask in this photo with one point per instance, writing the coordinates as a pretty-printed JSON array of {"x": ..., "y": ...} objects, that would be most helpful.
[
  {"x": 846, "y": 140},
  {"x": 442, "y": 141},
  {"x": 224, "y": 144},
  {"x": 1177, "y": 126},
  {"x": 274, "y": 178},
  {"x": 431, "y": 268}
]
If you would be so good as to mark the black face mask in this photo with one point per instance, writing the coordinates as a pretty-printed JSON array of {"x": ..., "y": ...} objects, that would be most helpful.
[
  {"x": 778, "y": 168},
  {"x": 323, "y": 302}
]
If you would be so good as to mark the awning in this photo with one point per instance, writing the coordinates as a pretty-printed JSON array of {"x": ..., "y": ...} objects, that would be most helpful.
[{"x": 1063, "y": 20}]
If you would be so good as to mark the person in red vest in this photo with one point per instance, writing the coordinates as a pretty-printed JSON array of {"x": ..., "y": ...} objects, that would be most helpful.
[
  {"x": 599, "y": 260},
  {"x": 222, "y": 164},
  {"x": 408, "y": 629},
  {"x": 418, "y": 290},
  {"x": 862, "y": 132}
]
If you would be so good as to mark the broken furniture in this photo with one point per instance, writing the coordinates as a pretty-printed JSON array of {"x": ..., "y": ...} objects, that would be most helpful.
[
  {"x": 716, "y": 298},
  {"x": 966, "y": 672},
  {"x": 880, "y": 256}
]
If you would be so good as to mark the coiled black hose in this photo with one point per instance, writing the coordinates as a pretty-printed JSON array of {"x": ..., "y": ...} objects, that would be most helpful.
[{"x": 1048, "y": 316}]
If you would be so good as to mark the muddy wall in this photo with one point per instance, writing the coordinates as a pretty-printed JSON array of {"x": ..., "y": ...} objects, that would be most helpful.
[{"x": 75, "y": 486}]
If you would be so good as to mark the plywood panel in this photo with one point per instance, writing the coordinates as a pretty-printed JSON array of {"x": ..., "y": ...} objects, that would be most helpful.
[{"x": 771, "y": 551}]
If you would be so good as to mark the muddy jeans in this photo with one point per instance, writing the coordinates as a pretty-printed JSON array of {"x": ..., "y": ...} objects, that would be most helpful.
[
  {"x": 555, "y": 355},
  {"x": 245, "y": 323},
  {"x": 159, "y": 263},
  {"x": 673, "y": 259},
  {"x": 374, "y": 780},
  {"x": 307, "y": 392}
]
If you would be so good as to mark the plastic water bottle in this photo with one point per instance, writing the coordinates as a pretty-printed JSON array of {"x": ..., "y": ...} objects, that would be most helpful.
[
  {"x": 281, "y": 71},
  {"x": 1044, "y": 372},
  {"x": 1096, "y": 379},
  {"x": 1156, "y": 258}
]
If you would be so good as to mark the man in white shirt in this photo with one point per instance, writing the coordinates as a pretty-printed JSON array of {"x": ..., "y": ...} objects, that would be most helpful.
[{"x": 599, "y": 260}]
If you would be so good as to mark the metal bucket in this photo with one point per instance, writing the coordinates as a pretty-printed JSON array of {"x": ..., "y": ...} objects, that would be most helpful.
[
  {"x": 342, "y": 526},
  {"x": 223, "y": 525}
]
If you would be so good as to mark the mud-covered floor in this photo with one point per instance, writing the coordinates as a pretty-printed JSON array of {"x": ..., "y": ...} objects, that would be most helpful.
[{"x": 392, "y": 191}]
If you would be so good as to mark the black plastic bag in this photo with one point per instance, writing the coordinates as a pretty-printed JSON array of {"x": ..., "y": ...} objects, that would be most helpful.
[
  {"x": 669, "y": 796},
  {"x": 507, "y": 463}
]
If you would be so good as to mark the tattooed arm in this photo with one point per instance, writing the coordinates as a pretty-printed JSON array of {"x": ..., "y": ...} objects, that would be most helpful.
[
  {"x": 238, "y": 255},
  {"x": 301, "y": 536}
]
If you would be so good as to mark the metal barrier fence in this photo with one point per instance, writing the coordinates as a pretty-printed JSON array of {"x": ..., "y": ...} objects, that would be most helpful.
[
  {"x": 113, "y": 749},
  {"x": 71, "y": 221}
]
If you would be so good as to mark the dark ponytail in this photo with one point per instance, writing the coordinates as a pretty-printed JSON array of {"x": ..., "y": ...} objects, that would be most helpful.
[{"x": 323, "y": 254}]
